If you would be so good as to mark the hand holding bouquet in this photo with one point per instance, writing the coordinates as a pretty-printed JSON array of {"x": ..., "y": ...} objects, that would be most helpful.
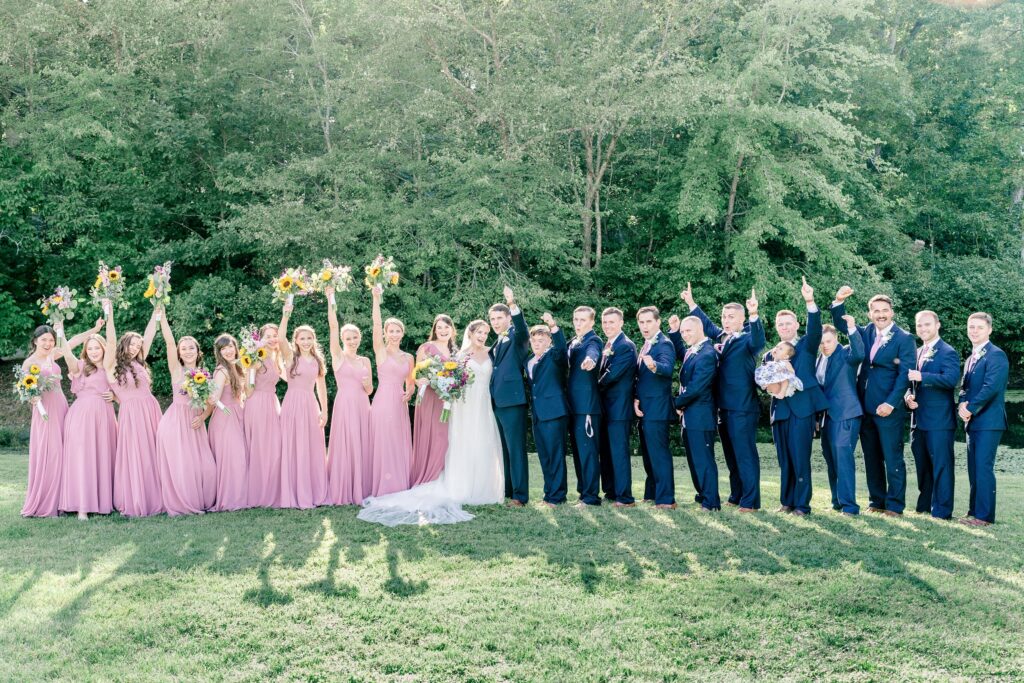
[
  {"x": 291, "y": 282},
  {"x": 381, "y": 273},
  {"x": 59, "y": 306},
  {"x": 252, "y": 353},
  {"x": 30, "y": 385},
  {"x": 159, "y": 290},
  {"x": 450, "y": 382},
  {"x": 199, "y": 387},
  {"x": 425, "y": 370},
  {"x": 336, "y": 278},
  {"x": 108, "y": 290}
]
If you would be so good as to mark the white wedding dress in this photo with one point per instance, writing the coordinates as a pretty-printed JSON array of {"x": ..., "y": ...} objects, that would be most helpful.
[{"x": 473, "y": 472}]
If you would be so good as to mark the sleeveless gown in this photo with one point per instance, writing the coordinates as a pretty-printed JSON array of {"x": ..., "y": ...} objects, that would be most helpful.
[
  {"x": 46, "y": 450},
  {"x": 303, "y": 452},
  {"x": 227, "y": 443},
  {"x": 90, "y": 439},
  {"x": 261, "y": 421},
  {"x": 390, "y": 431},
  {"x": 429, "y": 434},
  {"x": 473, "y": 472},
  {"x": 188, "y": 473},
  {"x": 350, "y": 435},
  {"x": 136, "y": 482}
]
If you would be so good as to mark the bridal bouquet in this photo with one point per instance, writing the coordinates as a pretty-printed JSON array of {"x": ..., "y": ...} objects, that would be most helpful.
[
  {"x": 30, "y": 384},
  {"x": 159, "y": 290},
  {"x": 381, "y": 273},
  {"x": 59, "y": 306},
  {"x": 253, "y": 352},
  {"x": 291, "y": 282},
  {"x": 450, "y": 381},
  {"x": 199, "y": 386},
  {"x": 425, "y": 369},
  {"x": 330, "y": 275},
  {"x": 109, "y": 286}
]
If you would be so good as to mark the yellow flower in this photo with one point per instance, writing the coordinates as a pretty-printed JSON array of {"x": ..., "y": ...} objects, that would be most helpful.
[
  {"x": 113, "y": 275},
  {"x": 33, "y": 369},
  {"x": 29, "y": 381},
  {"x": 285, "y": 283},
  {"x": 200, "y": 379},
  {"x": 394, "y": 278},
  {"x": 98, "y": 283},
  {"x": 151, "y": 290},
  {"x": 246, "y": 362},
  {"x": 46, "y": 310},
  {"x": 450, "y": 365},
  {"x": 375, "y": 271},
  {"x": 56, "y": 299},
  {"x": 326, "y": 275},
  {"x": 261, "y": 353}
]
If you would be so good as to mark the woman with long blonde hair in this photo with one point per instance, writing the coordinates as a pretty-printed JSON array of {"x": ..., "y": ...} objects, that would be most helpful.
[
  {"x": 227, "y": 435},
  {"x": 262, "y": 424}
]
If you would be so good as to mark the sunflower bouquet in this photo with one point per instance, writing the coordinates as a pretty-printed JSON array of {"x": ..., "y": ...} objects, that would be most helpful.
[
  {"x": 450, "y": 381},
  {"x": 109, "y": 286},
  {"x": 253, "y": 352},
  {"x": 59, "y": 306},
  {"x": 381, "y": 273},
  {"x": 337, "y": 277},
  {"x": 291, "y": 282},
  {"x": 199, "y": 386},
  {"x": 159, "y": 290},
  {"x": 30, "y": 384},
  {"x": 425, "y": 369}
]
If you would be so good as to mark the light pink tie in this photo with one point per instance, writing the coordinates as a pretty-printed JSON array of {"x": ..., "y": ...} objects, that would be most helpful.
[
  {"x": 877, "y": 345},
  {"x": 643, "y": 352}
]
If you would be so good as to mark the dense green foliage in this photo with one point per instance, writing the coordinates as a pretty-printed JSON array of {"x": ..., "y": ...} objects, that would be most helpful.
[{"x": 585, "y": 152}]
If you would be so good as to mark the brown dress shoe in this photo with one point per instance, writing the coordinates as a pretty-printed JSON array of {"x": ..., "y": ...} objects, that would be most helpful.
[
  {"x": 800, "y": 513},
  {"x": 876, "y": 510},
  {"x": 784, "y": 508},
  {"x": 732, "y": 504},
  {"x": 617, "y": 504},
  {"x": 746, "y": 510},
  {"x": 547, "y": 504},
  {"x": 892, "y": 513},
  {"x": 666, "y": 506},
  {"x": 974, "y": 522},
  {"x": 513, "y": 503}
]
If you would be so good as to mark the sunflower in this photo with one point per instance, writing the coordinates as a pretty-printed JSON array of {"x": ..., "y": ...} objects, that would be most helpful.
[
  {"x": 246, "y": 361},
  {"x": 261, "y": 354},
  {"x": 199, "y": 379},
  {"x": 326, "y": 275},
  {"x": 394, "y": 278},
  {"x": 151, "y": 290},
  {"x": 113, "y": 275},
  {"x": 29, "y": 382},
  {"x": 46, "y": 310},
  {"x": 285, "y": 283},
  {"x": 450, "y": 365},
  {"x": 33, "y": 369},
  {"x": 374, "y": 271},
  {"x": 98, "y": 283}
]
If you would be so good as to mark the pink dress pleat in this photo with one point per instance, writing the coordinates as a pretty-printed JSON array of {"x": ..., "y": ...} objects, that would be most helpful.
[
  {"x": 227, "y": 443},
  {"x": 390, "y": 431},
  {"x": 262, "y": 424},
  {"x": 429, "y": 434},
  {"x": 188, "y": 473},
  {"x": 90, "y": 439},
  {"x": 136, "y": 481},
  {"x": 303, "y": 452},
  {"x": 350, "y": 435},
  {"x": 46, "y": 451}
]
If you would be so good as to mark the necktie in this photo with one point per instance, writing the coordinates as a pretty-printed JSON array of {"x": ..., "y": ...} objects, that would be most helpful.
[
  {"x": 877, "y": 345},
  {"x": 920, "y": 355},
  {"x": 531, "y": 365},
  {"x": 972, "y": 362},
  {"x": 821, "y": 369},
  {"x": 643, "y": 352},
  {"x": 607, "y": 350}
]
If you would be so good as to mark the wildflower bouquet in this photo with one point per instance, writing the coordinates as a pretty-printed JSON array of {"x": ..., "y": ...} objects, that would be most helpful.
[
  {"x": 252, "y": 353},
  {"x": 59, "y": 306},
  {"x": 291, "y": 282},
  {"x": 30, "y": 385},
  {"x": 337, "y": 277},
  {"x": 381, "y": 273},
  {"x": 159, "y": 290},
  {"x": 109, "y": 286}
]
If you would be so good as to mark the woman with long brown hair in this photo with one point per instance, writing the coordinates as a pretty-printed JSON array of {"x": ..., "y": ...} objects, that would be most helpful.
[
  {"x": 429, "y": 434},
  {"x": 227, "y": 435},
  {"x": 261, "y": 421}
]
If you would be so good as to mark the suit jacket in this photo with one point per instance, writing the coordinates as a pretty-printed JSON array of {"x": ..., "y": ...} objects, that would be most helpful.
[
  {"x": 811, "y": 399},
  {"x": 547, "y": 382},
  {"x": 654, "y": 388},
  {"x": 508, "y": 356},
  {"x": 735, "y": 388},
  {"x": 696, "y": 388},
  {"x": 984, "y": 390},
  {"x": 617, "y": 375},
  {"x": 584, "y": 397},
  {"x": 936, "y": 402},
  {"x": 840, "y": 387},
  {"x": 884, "y": 379}
]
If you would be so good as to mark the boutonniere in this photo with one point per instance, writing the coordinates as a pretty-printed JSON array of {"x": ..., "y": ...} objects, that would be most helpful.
[
  {"x": 696, "y": 349},
  {"x": 928, "y": 355},
  {"x": 886, "y": 339},
  {"x": 981, "y": 354},
  {"x": 607, "y": 352},
  {"x": 719, "y": 347}
]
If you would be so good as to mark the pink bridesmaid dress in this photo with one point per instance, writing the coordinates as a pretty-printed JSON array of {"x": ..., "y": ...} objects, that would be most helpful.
[
  {"x": 136, "y": 482},
  {"x": 350, "y": 435},
  {"x": 389, "y": 428},
  {"x": 429, "y": 434},
  {"x": 46, "y": 450},
  {"x": 227, "y": 442},
  {"x": 261, "y": 422},
  {"x": 90, "y": 439},
  {"x": 188, "y": 473},
  {"x": 303, "y": 453}
]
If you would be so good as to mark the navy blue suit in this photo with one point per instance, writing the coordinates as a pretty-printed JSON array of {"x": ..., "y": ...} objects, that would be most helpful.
[
  {"x": 696, "y": 400},
  {"x": 508, "y": 395},
  {"x": 585, "y": 416},
  {"x": 840, "y": 426},
  {"x": 984, "y": 391},
  {"x": 653, "y": 389},
  {"x": 883, "y": 379},
  {"x": 933, "y": 426},
  {"x": 793, "y": 421},
  {"x": 615, "y": 382},
  {"x": 549, "y": 411},
  {"x": 738, "y": 407}
]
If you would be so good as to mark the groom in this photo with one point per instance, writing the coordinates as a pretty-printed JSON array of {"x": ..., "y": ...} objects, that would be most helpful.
[{"x": 508, "y": 393}]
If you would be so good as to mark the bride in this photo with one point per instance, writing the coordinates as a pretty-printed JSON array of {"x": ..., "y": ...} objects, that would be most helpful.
[{"x": 473, "y": 472}]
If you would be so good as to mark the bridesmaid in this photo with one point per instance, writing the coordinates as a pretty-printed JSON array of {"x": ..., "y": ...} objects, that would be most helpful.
[
  {"x": 303, "y": 416},
  {"x": 136, "y": 483},
  {"x": 350, "y": 421},
  {"x": 227, "y": 435},
  {"x": 46, "y": 438},
  {"x": 429, "y": 434},
  {"x": 90, "y": 434},
  {"x": 389, "y": 416},
  {"x": 261, "y": 421},
  {"x": 188, "y": 473}
]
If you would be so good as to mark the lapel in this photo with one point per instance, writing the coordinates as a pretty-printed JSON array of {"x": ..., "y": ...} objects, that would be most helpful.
[
  {"x": 887, "y": 349},
  {"x": 969, "y": 374},
  {"x": 836, "y": 360}
]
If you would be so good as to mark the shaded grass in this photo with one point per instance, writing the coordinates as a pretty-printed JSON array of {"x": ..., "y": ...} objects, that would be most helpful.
[{"x": 532, "y": 594}]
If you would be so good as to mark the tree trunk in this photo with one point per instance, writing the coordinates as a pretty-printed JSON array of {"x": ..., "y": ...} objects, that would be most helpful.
[{"x": 730, "y": 211}]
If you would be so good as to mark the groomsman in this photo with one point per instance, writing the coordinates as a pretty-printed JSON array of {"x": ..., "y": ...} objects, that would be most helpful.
[
  {"x": 618, "y": 370},
  {"x": 836, "y": 372},
  {"x": 549, "y": 410},
  {"x": 696, "y": 402},
  {"x": 792, "y": 418},
  {"x": 881, "y": 384},
  {"x": 736, "y": 395},
  {"x": 653, "y": 405},
  {"x": 983, "y": 410},
  {"x": 585, "y": 405},
  {"x": 508, "y": 394},
  {"x": 932, "y": 403}
]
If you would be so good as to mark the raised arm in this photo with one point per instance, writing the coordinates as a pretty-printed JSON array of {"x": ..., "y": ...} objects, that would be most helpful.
[
  {"x": 519, "y": 333},
  {"x": 69, "y": 357},
  {"x": 664, "y": 359},
  {"x": 173, "y": 366},
  {"x": 150, "y": 332},
  {"x": 377, "y": 322},
  {"x": 283, "y": 347},
  {"x": 332, "y": 324},
  {"x": 857, "y": 350},
  {"x": 110, "y": 358},
  {"x": 82, "y": 336},
  {"x": 813, "y": 321}
]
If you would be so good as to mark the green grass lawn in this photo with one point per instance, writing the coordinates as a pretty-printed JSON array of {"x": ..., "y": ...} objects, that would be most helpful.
[{"x": 532, "y": 594}]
